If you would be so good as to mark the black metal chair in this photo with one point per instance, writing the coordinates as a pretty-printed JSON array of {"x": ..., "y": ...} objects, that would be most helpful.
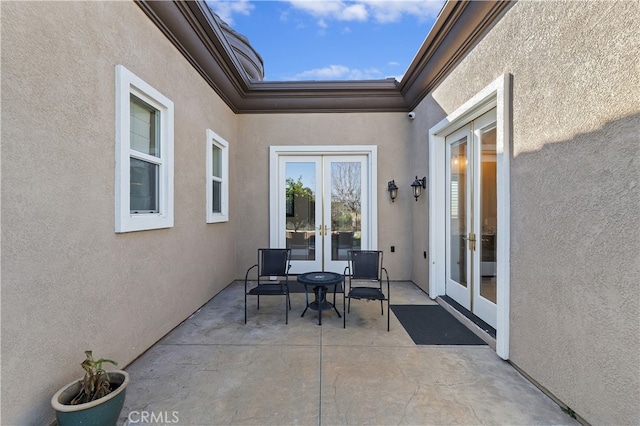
[
  {"x": 363, "y": 280},
  {"x": 271, "y": 263}
]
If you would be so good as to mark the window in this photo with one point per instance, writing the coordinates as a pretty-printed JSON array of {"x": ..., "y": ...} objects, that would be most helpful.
[
  {"x": 217, "y": 178},
  {"x": 144, "y": 155}
]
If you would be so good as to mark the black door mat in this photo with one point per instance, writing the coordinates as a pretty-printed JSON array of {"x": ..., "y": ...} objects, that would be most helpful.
[{"x": 433, "y": 325}]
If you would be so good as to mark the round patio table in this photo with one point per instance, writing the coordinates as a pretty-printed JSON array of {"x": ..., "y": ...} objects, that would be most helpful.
[{"x": 320, "y": 281}]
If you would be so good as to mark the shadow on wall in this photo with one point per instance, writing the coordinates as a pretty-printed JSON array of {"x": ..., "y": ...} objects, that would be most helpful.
[
  {"x": 575, "y": 210},
  {"x": 428, "y": 114}
]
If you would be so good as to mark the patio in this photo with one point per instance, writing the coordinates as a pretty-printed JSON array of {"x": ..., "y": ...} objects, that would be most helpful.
[{"x": 215, "y": 370}]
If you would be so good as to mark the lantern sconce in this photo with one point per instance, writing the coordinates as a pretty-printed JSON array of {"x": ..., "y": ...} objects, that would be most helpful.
[
  {"x": 417, "y": 186},
  {"x": 393, "y": 190}
]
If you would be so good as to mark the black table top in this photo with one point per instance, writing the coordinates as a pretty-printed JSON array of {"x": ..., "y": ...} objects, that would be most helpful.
[{"x": 320, "y": 278}]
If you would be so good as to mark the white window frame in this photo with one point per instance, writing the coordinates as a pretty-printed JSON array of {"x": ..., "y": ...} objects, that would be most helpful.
[
  {"x": 128, "y": 84},
  {"x": 213, "y": 139}
]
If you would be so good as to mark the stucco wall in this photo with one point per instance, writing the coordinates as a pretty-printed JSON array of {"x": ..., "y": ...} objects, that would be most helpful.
[
  {"x": 390, "y": 132},
  {"x": 428, "y": 113},
  {"x": 69, "y": 283},
  {"x": 574, "y": 194}
]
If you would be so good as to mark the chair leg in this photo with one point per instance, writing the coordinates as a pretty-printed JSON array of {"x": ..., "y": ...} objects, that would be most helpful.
[
  {"x": 286, "y": 311},
  {"x": 388, "y": 316},
  {"x": 381, "y": 308},
  {"x": 245, "y": 306},
  {"x": 344, "y": 311}
]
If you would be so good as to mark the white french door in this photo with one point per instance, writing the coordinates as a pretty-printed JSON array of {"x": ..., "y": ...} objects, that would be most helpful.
[
  {"x": 471, "y": 216},
  {"x": 322, "y": 209}
]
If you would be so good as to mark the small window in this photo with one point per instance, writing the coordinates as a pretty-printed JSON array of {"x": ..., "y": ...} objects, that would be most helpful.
[
  {"x": 144, "y": 155},
  {"x": 217, "y": 178}
]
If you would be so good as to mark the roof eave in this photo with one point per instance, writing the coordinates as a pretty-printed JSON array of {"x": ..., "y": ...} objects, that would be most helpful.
[{"x": 194, "y": 31}]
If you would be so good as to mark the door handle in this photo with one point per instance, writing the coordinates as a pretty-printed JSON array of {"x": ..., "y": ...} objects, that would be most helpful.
[
  {"x": 323, "y": 230},
  {"x": 471, "y": 239}
]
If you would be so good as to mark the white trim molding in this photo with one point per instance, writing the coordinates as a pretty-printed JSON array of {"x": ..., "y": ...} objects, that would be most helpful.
[
  {"x": 128, "y": 84},
  {"x": 213, "y": 139},
  {"x": 371, "y": 151},
  {"x": 496, "y": 95}
]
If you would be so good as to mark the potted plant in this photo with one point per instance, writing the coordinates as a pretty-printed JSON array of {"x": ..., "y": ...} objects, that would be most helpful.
[{"x": 96, "y": 399}]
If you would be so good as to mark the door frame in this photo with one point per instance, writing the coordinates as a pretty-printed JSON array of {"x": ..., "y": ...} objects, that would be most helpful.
[
  {"x": 495, "y": 95},
  {"x": 370, "y": 151}
]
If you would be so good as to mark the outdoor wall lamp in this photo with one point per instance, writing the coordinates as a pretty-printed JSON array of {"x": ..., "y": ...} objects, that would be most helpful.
[
  {"x": 417, "y": 186},
  {"x": 393, "y": 190}
]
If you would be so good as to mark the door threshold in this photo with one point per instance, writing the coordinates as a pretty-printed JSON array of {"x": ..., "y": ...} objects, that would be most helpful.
[{"x": 469, "y": 320}]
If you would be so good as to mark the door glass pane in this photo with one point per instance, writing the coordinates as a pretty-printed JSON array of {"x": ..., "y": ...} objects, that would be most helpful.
[
  {"x": 458, "y": 209},
  {"x": 300, "y": 210},
  {"x": 346, "y": 211},
  {"x": 488, "y": 215},
  {"x": 143, "y": 191},
  {"x": 144, "y": 124}
]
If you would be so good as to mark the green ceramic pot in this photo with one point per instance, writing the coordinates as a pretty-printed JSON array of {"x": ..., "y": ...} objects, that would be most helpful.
[{"x": 101, "y": 412}]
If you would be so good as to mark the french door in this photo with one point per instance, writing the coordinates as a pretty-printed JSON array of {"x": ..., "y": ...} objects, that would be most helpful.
[
  {"x": 471, "y": 216},
  {"x": 322, "y": 209}
]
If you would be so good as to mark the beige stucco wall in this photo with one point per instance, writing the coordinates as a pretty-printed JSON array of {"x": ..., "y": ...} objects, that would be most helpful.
[
  {"x": 388, "y": 131},
  {"x": 69, "y": 283},
  {"x": 428, "y": 113},
  {"x": 574, "y": 195},
  {"x": 575, "y": 323}
]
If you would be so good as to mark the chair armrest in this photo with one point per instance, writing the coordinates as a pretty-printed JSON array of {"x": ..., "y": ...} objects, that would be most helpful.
[
  {"x": 246, "y": 276},
  {"x": 388, "y": 287}
]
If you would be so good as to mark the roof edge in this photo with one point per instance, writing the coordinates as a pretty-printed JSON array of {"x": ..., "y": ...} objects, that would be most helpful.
[{"x": 192, "y": 28}]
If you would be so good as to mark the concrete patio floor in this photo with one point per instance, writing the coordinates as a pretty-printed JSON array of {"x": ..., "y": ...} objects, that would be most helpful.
[{"x": 215, "y": 370}]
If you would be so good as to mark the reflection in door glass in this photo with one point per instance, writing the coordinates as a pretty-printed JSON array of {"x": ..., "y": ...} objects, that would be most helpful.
[
  {"x": 488, "y": 215},
  {"x": 346, "y": 212},
  {"x": 300, "y": 210},
  {"x": 458, "y": 209}
]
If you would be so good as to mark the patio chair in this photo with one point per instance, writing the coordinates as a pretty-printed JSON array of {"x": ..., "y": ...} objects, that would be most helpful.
[
  {"x": 272, "y": 263},
  {"x": 363, "y": 280}
]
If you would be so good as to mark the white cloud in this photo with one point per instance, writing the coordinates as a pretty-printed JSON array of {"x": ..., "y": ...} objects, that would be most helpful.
[
  {"x": 366, "y": 74},
  {"x": 380, "y": 11},
  {"x": 356, "y": 12},
  {"x": 393, "y": 11},
  {"x": 338, "y": 72},
  {"x": 226, "y": 9},
  {"x": 332, "y": 9},
  {"x": 318, "y": 8}
]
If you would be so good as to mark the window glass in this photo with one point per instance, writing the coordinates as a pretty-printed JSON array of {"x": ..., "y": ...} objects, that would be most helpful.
[
  {"x": 144, "y": 187},
  {"x": 217, "y": 162},
  {"x": 144, "y": 125},
  {"x": 217, "y": 197}
]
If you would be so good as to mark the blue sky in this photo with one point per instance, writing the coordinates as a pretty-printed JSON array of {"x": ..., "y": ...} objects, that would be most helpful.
[{"x": 332, "y": 39}]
